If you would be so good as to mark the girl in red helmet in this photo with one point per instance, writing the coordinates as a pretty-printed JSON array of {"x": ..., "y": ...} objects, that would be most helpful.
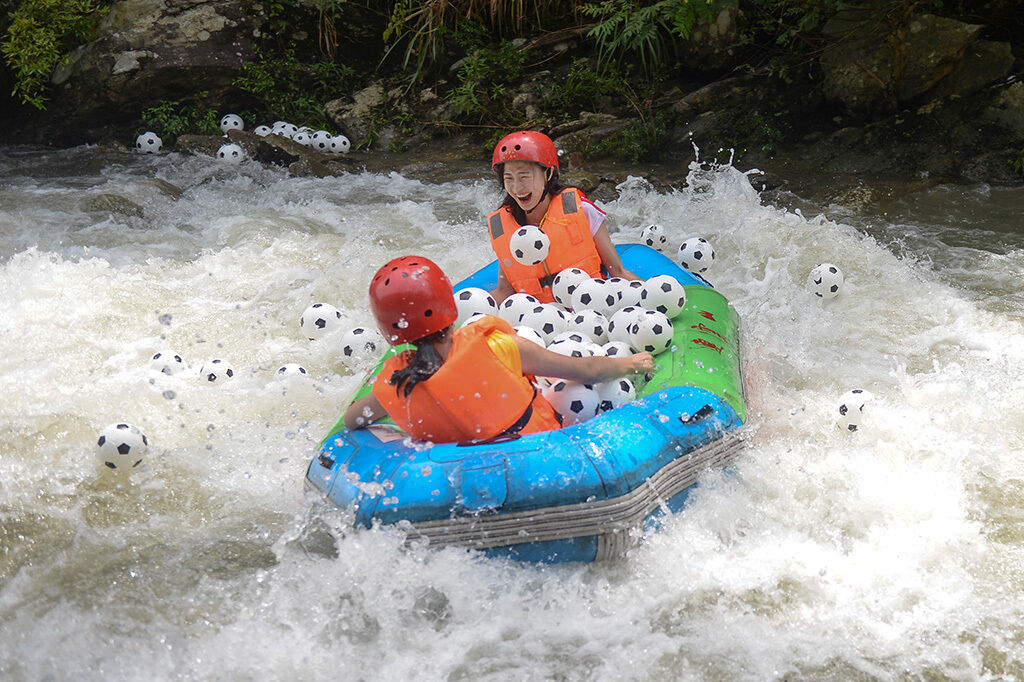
[
  {"x": 527, "y": 166},
  {"x": 470, "y": 384}
]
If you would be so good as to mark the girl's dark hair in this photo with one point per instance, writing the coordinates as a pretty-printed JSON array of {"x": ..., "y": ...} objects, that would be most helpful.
[
  {"x": 425, "y": 361},
  {"x": 551, "y": 187}
]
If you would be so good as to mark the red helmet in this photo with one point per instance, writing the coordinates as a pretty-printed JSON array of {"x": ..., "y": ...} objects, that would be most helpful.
[
  {"x": 411, "y": 297},
  {"x": 528, "y": 145}
]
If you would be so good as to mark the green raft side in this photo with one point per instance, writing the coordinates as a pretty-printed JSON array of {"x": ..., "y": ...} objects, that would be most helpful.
[{"x": 705, "y": 350}]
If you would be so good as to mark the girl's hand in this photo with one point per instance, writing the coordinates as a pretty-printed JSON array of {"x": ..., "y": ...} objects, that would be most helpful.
[{"x": 641, "y": 363}]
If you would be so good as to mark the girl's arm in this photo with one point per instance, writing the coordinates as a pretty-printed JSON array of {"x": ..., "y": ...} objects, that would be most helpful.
[
  {"x": 364, "y": 412},
  {"x": 542, "y": 362},
  {"x": 503, "y": 290},
  {"x": 609, "y": 256}
]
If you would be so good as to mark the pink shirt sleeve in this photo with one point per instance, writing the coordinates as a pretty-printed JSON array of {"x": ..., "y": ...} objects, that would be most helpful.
[{"x": 594, "y": 215}]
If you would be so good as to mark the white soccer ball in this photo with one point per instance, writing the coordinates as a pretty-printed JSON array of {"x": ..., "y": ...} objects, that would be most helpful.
[
  {"x": 663, "y": 293},
  {"x": 595, "y": 349},
  {"x": 262, "y": 131},
  {"x": 529, "y": 245},
  {"x": 615, "y": 393},
  {"x": 148, "y": 143},
  {"x": 826, "y": 280},
  {"x": 213, "y": 371},
  {"x": 620, "y": 322},
  {"x": 121, "y": 446},
  {"x": 321, "y": 140},
  {"x": 303, "y": 138},
  {"x": 652, "y": 332},
  {"x": 524, "y": 332},
  {"x": 319, "y": 319},
  {"x": 617, "y": 349},
  {"x": 547, "y": 319},
  {"x": 571, "y": 344},
  {"x": 696, "y": 254},
  {"x": 231, "y": 153},
  {"x": 475, "y": 317},
  {"x": 339, "y": 145},
  {"x": 629, "y": 295},
  {"x": 850, "y": 409},
  {"x": 167, "y": 362},
  {"x": 472, "y": 300},
  {"x": 654, "y": 237},
  {"x": 512, "y": 308},
  {"x": 231, "y": 122},
  {"x": 565, "y": 283},
  {"x": 574, "y": 401},
  {"x": 592, "y": 324},
  {"x": 285, "y": 129},
  {"x": 591, "y": 294},
  {"x": 362, "y": 342},
  {"x": 291, "y": 369}
]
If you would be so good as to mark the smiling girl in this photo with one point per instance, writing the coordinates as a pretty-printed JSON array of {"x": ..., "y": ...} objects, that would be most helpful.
[{"x": 527, "y": 166}]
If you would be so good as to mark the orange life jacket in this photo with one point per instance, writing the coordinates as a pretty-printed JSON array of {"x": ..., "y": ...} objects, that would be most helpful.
[
  {"x": 572, "y": 245},
  {"x": 473, "y": 396}
]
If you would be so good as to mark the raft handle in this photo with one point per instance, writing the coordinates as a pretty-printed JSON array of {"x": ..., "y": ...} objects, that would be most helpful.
[
  {"x": 325, "y": 460},
  {"x": 702, "y": 413}
]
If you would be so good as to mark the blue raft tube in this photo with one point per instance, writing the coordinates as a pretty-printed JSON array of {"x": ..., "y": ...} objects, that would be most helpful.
[{"x": 580, "y": 493}]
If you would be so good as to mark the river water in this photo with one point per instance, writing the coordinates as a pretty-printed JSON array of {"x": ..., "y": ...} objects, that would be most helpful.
[{"x": 892, "y": 553}]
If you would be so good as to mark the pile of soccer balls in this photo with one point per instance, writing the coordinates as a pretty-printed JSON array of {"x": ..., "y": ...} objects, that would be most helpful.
[{"x": 231, "y": 153}]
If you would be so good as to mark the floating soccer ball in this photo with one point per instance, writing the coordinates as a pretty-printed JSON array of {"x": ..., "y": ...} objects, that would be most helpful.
[
  {"x": 473, "y": 300},
  {"x": 574, "y": 401},
  {"x": 654, "y": 237},
  {"x": 591, "y": 294},
  {"x": 663, "y": 293},
  {"x": 291, "y": 369},
  {"x": 167, "y": 362},
  {"x": 850, "y": 410},
  {"x": 512, "y": 308},
  {"x": 547, "y": 319},
  {"x": 592, "y": 324},
  {"x": 826, "y": 280},
  {"x": 615, "y": 393},
  {"x": 339, "y": 145},
  {"x": 121, "y": 446},
  {"x": 262, "y": 131},
  {"x": 529, "y": 246},
  {"x": 231, "y": 122},
  {"x": 216, "y": 370},
  {"x": 318, "y": 319},
  {"x": 321, "y": 140},
  {"x": 617, "y": 349},
  {"x": 565, "y": 283},
  {"x": 620, "y": 322},
  {"x": 524, "y": 332},
  {"x": 302, "y": 138},
  {"x": 361, "y": 342},
  {"x": 231, "y": 153},
  {"x": 148, "y": 143},
  {"x": 652, "y": 332},
  {"x": 696, "y": 254}
]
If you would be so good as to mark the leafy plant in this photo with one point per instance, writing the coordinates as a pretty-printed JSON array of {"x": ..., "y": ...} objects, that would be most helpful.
[
  {"x": 39, "y": 38},
  {"x": 1018, "y": 164},
  {"x": 582, "y": 87},
  {"x": 482, "y": 94},
  {"x": 172, "y": 118}
]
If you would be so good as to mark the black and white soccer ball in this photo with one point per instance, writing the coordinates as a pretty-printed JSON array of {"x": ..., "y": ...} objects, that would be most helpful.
[
  {"x": 262, "y": 131},
  {"x": 547, "y": 319},
  {"x": 167, "y": 362},
  {"x": 475, "y": 317},
  {"x": 654, "y": 237},
  {"x": 849, "y": 411},
  {"x": 231, "y": 122},
  {"x": 148, "y": 143},
  {"x": 231, "y": 154},
  {"x": 592, "y": 324},
  {"x": 319, "y": 319},
  {"x": 696, "y": 254},
  {"x": 339, "y": 144},
  {"x": 291, "y": 369},
  {"x": 826, "y": 280},
  {"x": 121, "y": 446},
  {"x": 617, "y": 349},
  {"x": 303, "y": 138},
  {"x": 215, "y": 371},
  {"x": 512, "y": 308},
  {"x": 574, "y": 401},
  {"x": 473, "y": 300},
  {"x": 615, "y": 393},
  {"x": 663, "y": 293},
  {"x": 620, "y": 322},
  {"x": 630, "y": 293},
  {"x": 570, "y": 344},
  {"x": 565, "y": 283},
  {"x": 529, "y": 245},
  {"x": 284, "y": 128},
  {"x": 591, "y": 294},
  {"x": 360, "y": 343},
  {"x": 321, "y": 141},
  {"x": 530, "y": 334},
  {"x": 652, "y": 332}
]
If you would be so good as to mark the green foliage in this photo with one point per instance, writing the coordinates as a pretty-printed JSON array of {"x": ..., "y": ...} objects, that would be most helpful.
[
  {"x": 582, "y": 87},
  {"x": 40, "y": 36},
  {"x": 645, "y": 141},
  {"x": 482, "y": 94},
  {"x": 170, "y": 119},
  {"x": 1018, "y": 164}
]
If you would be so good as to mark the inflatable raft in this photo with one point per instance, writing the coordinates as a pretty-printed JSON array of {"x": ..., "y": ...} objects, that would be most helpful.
[{"x": 577, "y": 494}]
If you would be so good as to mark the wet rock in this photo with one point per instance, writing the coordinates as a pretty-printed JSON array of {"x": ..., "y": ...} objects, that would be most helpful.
[
  {"x": 166, "y": 188},
  {"x": 600, "y": 127},
  {"x": 711, "y": 42},
  {"x": 353, "y": 115},
  {"x": 113, "y": 203},
  {"x": 583, "y": 179},
  {"x": 206, "y": 145}
]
